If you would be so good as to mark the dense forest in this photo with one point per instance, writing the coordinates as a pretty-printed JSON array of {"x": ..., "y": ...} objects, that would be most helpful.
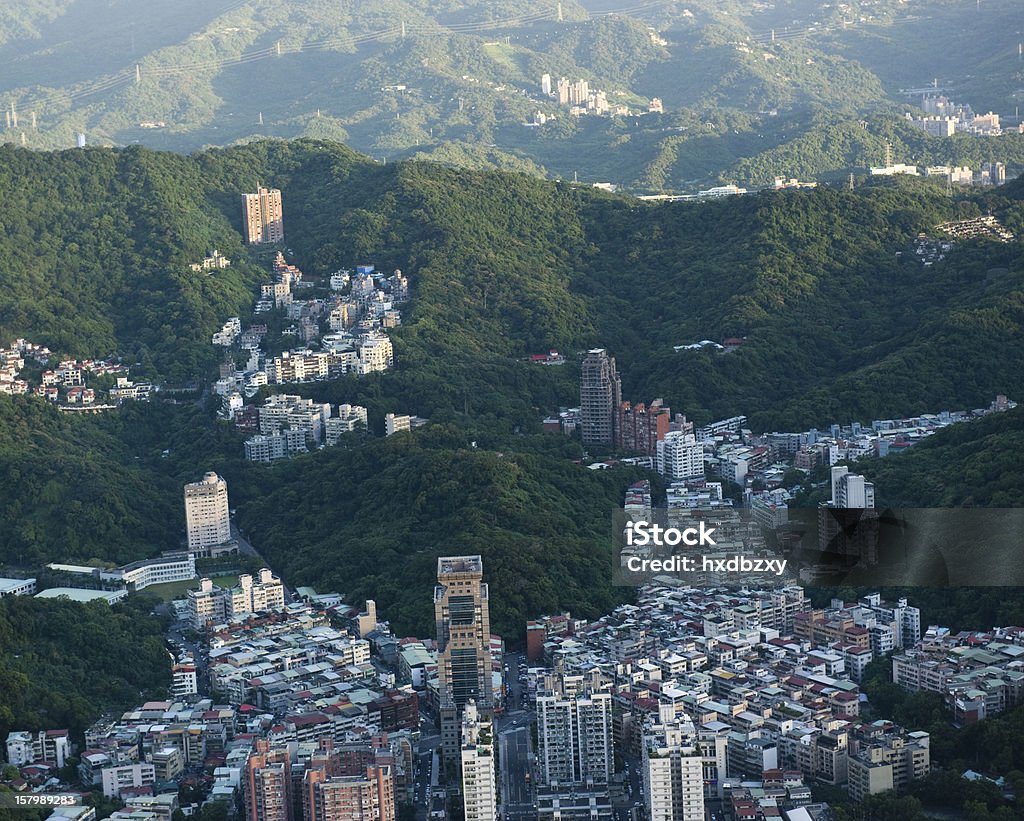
[
  {"x": 63, "y": 663},
  {"x": 74, "y": 492},
  {"x": 370, "y": 522},
  {"x": 841, "y": 323},
  {"x": 95, "y": 248}
]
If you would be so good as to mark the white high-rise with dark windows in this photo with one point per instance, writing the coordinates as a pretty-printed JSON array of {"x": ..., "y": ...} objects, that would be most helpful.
[
  {"x": 680, "y": 456},
  {"x": 207, "y": 515},
  {"x": 574, "y": 736},
  {"x": 479, "y": 794},
  {"x": 851, "y": 490},
  {"x": 673, "y": 771}
]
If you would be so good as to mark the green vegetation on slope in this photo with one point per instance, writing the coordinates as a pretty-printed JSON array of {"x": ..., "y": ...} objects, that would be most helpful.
[
  {"x": 371, "y": 522},
  {"x": 457, "y": 82},
  {"x": 986, "y": 456},
  {"x": 95, "y": 247},
  {"x": 73, "y": 492},
  {"x": 64, "y": 663},
  {"x": 840, "y": 323}
]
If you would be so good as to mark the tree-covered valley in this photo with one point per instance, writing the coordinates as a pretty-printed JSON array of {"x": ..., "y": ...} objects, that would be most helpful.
[{"x": 841, "y": 321}]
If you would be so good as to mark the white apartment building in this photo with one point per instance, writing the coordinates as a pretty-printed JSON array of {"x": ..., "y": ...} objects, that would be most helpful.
[
  {"x": 184, "y": 680},
  {"x": 396, "y": 423},
  {"x": 122, "y": 776},
  {"x": 680, "y": 456},
  {"x": 231, "y": 330},
  {"x": 207, "y": 605},
  {"x": 25, "y": 747},
  {"x": 673, "y": 771},
  {"x": 207, "y": 515},
  {"x": 375, "y": 354},
  {"x": 140, "y": 575},
  {"x": 478, "y": 772},
  {"x": 212, "y": 605},
  {"x": 17, "y": 587},
  {"x": 255, "y": 596},
  {"x": 851, "y": 490},
  {"x": 295, "y": 413},
  {"x": 350, "y": 418},
  {"x": 575, "y": 738},
  {"x": 281, "y": 445}
]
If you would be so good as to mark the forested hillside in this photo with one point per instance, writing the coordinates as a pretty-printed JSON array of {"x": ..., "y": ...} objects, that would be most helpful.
[
  {"x": 841, "y": 323},
  {"x": 371, "y": 522},
  {"x": 74, "y": 492},
  {"x": 63, "y": 662},
  {"x": 95, "y": 248},
  {"x": 750, "y": 90},
  {"x": 969, "y": 466}
]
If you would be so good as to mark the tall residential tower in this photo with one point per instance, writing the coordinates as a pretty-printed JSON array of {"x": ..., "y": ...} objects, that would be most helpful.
[
  {"x": 600, "y": 398},
  {"x": 574, "y": 735},
  {"x": 264, "y": 217},
  {"x": 463, "y": 642},
  {"x": 207, "y": 515},
  {"x": 479, "y": 795},
  {"x": 673, "y": 770}
]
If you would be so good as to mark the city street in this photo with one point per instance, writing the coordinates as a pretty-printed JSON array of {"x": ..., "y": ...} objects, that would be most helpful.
[
  {"x": 427, "y": 765},
  {"x": 515, "y": 748},
  {"x": 516, "y": 789}
]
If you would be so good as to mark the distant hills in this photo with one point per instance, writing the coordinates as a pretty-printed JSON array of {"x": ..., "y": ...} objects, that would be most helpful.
[
  {"x": 751, "y": 90},
  {"x": 841, "y": 322}
]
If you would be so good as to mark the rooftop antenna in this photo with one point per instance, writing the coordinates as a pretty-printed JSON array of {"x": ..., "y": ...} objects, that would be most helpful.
[
  {"x": 851, "y": 180},
  {"x": 560, "y": 18},
  {"x": 403, "y": 29},
  {"x": 138, "y": 74},
  {"x": 261, "y": 118},
  {"x": 33, "y": 120}
]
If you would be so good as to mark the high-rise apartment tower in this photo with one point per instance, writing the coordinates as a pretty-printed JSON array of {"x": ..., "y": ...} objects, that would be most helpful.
[
  {"x": 264, "y": 217},
  {"x": 463, "y": 642},
  {"x": 600, "y": 397},
  {"x": 207, "y": 515}
]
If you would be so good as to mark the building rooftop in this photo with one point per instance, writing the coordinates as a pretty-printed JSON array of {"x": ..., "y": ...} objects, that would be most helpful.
[
  {"x": 80, "y": 595},
  {"x": 6, "y": 585},
  {"x": 449, "y": 565}
]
